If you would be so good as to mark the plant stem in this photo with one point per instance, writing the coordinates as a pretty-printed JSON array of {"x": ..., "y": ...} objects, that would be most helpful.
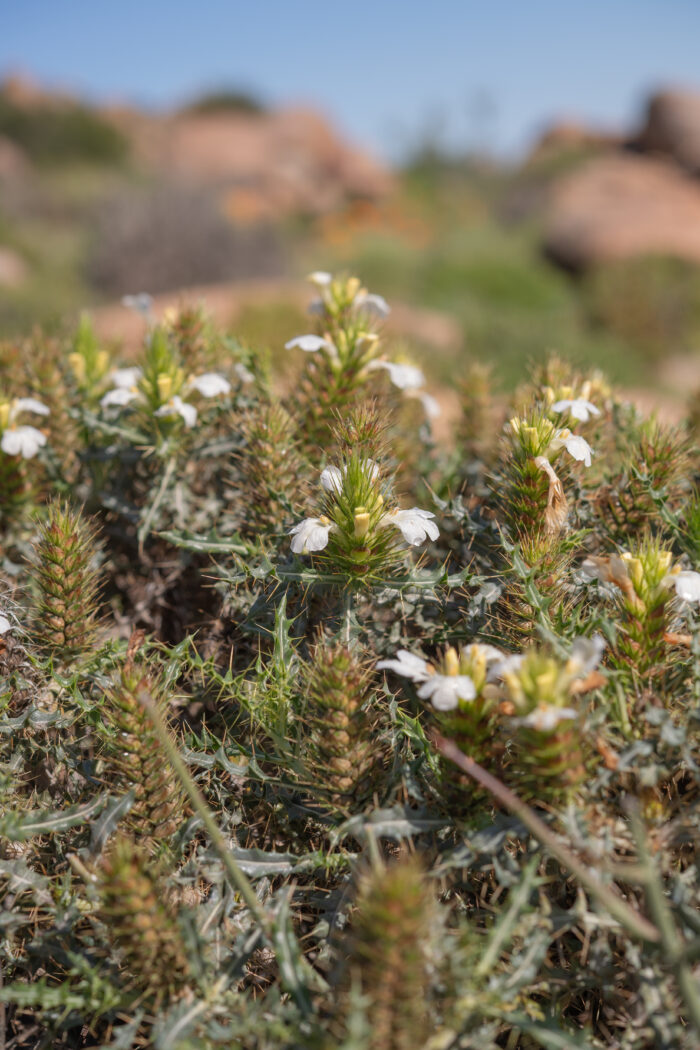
[{"x": 632, "y": 921}]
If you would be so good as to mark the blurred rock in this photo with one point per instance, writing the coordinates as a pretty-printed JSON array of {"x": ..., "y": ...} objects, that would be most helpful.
[
  {"x": 13, "y": 161},
  {"x": 564, "y": 136},
  {"x": 672, "y": 126},
  {"x": 13, "y": 269},
  {"x": 263, "y": 165},
  {"x": 619, "y": 206}
]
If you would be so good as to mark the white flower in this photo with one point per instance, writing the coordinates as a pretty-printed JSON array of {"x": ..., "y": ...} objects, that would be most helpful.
[
  {"x": 575, "y": 445},
  {"x": 243, "y": 373},
  {"x": 545, "y": 717},
  {"x": 687, "y": 585},
  {"x": 443, "y": 690},
  {"x": 177, "y": 407},
  {"x": 141, "y": 303},
  {"x": 405, "y": 377},
  {"x": 28, "y": 404},
  {"x": 586, "y": 654},
  {"x": 578, "y": 407},
  {"x": 309, "y": 343},
  {"x": 332, "y": 479},
  {"x": 415, "y": 524},
  {"x": 5, "y": 624},
  {"x": 321, "y": 278},
  {"x": 509, "y": 665},
  {"x": 22, "y": 441},
  {"x": 125, "y": 377},
  {"x": 311, "y": 534},
  {"x": 210, "y": 384},
  {"x": 373, "y": 304},
  {"x": 120, "y": 396},
  {"x": 407, "y": 664}
]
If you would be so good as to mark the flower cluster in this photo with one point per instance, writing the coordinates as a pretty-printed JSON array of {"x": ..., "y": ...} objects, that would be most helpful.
[
  {"x": 345, "y": 309},
  {"x": 358, "y": 523}
]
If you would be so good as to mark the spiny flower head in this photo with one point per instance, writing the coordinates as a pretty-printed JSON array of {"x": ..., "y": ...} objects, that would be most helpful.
[
  {"x": 456, "y": 679},
  {"x": 358, "y": 524},
  {"x": 89, "y": 363},
  {"x": 538, "y": 436},
  {"x": 540, "y": 686},
  {"x": 161, "y": 382},
  {"x": 646, "y": 575}
]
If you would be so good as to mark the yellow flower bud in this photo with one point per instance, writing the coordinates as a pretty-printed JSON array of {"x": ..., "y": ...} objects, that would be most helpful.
[
  {"x": 451, "y": 662},
  {"x": 77, "y": 364},
  {"x": 165, "y": 387},
  {"x": 361, "y": 522},
  {"x": 4, "y": 414},
  {"x": 102, "y": 362}
]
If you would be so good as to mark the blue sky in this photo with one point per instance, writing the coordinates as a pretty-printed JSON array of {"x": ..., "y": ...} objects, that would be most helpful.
[{"x": 386, "y": 71}]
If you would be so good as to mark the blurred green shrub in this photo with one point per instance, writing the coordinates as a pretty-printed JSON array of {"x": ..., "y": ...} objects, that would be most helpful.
[
  {"x": 652, "y": 302},
  {"x": 58, "y": 134}
]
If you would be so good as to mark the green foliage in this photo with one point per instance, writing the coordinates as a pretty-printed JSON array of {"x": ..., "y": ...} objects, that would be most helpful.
[
  {"x": 346, "y": 752},
  {"x": 61, "y": 133}
]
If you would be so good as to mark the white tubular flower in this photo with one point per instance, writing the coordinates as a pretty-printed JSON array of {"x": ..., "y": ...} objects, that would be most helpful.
[
  {"x": 311, "y": 534},
  {"x": 373, "y": 304},
  {"x": 405, "y": 377},
  {"x": 309, "y": 343},
  {"x": 22, "y": 441},
  {"x": 5, "y": 624},
  {"x": 586, "y": 654},
  {"x": 177, "y": 407},
  {"x": 28, "y": 404},
  {"x": 210, "y": 384},
  {"x": 125, "y": 378},
  {"x": 415, "y": 524},
  {"x": 446, "y": 690},
  {"x": 118, "y": 397},
  {"x": 578, "y": 407},
  {"x": 546, "y": 717},
  {"x": 408, "y": 665},
  {"x": 575, "y": 445},
  {"x": 332, "y": 479},
  {"x": 686, "y": 584},
  {"x": 508, "y": 665}
]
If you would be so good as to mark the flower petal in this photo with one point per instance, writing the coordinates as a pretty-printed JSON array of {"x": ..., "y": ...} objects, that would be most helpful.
[
  {"x": 415, "y": 524},
  {"x": 407, "y": 664},
  {"x": 211, "y": 384},
  {"x": 30, "y": 404},
  {"x": 332, "y": 479},
  {"x": 311, "y": 534},
  {"x": 22, "y": 441},
  {"x": 177, "y": 407},
  {"x": 119, "y": 397},
  {"x": 405, "y": 377},
  {"x": 373, "y": 304},
  {"x": 125, "y": 377},
  {"x": 309, "y": 343},
  {"x": 687, "y": 585},
  {"x": 5, "y": 624}
]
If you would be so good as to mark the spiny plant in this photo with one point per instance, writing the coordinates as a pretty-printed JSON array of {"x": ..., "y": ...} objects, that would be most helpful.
[
  {"x": 516, "y": 758},
  {"x": 389, "y": 945},
  {"x": 341, "y": 751},
  {"x": 141, "y": 924},
  {"x": 67, "y": 583},
  {"x": 268, "y": 468},
  {"x": 133, "y": 759}
]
